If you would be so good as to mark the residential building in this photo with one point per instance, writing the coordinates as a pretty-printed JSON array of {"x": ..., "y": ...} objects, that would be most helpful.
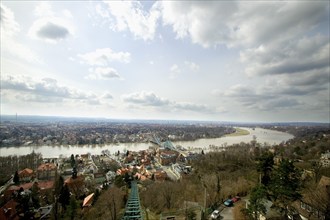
[
  {"x": 160, "y": 175},
  {"x": 315, "y": 203},
  {"x": 76, "y": 185},
  {"x": 25, "y": 175},
  {"x": 88, "y": 200},
  {"x": 8, "y": 210},
  {"x": 99, "y": 178},
  {"x": 46, "y": 171},
  {"x": 167, "y": 157},
  {"x": 325, "y": 159}
]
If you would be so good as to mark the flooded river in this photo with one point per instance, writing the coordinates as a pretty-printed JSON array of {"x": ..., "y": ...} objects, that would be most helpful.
[{"x": 262, "y": 136}]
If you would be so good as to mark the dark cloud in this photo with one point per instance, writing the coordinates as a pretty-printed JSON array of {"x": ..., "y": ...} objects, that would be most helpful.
[
  {"x": 279, "y": 103},
  {"x": 52, "y": 31},
  {"x": 305, "y": 54},
  {"x": 299, "y": 84},
  {"x": 262, "y": 98},
  {"x": 269, "y": 22}
]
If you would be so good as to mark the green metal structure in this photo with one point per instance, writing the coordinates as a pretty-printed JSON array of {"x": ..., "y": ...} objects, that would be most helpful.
[{"x": 133, "y": 208}]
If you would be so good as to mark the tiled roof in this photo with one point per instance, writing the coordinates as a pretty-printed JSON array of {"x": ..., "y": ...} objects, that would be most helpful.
[
  {"x": 46, "y": 166},
  {"x": 46, "y": 185},
  {"x": 25, "y": 172},
  {"x": 88, "y": 200},
  {"x": 8, "y": 211}
]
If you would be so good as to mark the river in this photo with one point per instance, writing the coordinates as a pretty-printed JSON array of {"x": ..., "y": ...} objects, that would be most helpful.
[{"x": 262, "y": 136}]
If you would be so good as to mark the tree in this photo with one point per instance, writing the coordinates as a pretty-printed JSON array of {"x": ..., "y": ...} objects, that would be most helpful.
[
  {"x": 265, "y": 167},
  {"x": 191, "y": 215},
  {"x": 59, "y": 181},
  {"x": 285, "y": 185},
  {"x": 16, "y": 178},
  {"x": 73, "y": 207},
  {"x": 119, "y": 181},
  {"x": 74, "y": 172},
  {"x": 35, "y": 195},
  {"x": 316, "y": 167},
  {"x": 64, "y": 197},
  {"x": 168, "y": 193},
  {"x": 72, "y": 161},
  {"x": 256, "y": 203}
]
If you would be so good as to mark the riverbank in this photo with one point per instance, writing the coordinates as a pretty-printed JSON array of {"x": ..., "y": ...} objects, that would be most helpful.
[
  {"x": 262, "y": 136},
  {"x": 238, "y": 132}
]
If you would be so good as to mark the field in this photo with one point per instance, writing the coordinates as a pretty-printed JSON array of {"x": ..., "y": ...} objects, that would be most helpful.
[{"x": 238, "y": 132}]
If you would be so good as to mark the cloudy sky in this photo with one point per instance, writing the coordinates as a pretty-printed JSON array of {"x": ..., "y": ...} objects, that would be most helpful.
[{"x": 246, "y": 61}]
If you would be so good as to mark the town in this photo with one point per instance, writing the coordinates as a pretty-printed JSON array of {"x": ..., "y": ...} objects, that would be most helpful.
[
  {"x": 85, "y": 174},
  {"x": 173, "y": 182},
  {"x": 27, "y": 131}
]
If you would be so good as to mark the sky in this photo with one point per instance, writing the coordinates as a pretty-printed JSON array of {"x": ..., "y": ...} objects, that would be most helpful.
[{"x": 240, "y": 61}]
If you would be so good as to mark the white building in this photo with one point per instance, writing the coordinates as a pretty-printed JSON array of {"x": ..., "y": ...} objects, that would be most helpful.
[{"x": 325, "y": 159}]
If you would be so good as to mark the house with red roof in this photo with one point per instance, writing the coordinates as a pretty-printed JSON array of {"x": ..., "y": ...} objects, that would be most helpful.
[
  {"x": 88, "y": 200},
  {"x": 8, "y": 211},
  {"x": 76, "y": 185},
  {"x": 25, "y": 175},
  {"x": 46, "y": 171}
]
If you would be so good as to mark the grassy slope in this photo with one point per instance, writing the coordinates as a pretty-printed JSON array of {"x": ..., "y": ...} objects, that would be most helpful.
[{"x": 238, "y": 132}]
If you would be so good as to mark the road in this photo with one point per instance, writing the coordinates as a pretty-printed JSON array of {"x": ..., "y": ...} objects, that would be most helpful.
[
  {"x": 6, "y": 185},
  {"x": 170, "y": 173},
  {"x": 227, "y": 213}
]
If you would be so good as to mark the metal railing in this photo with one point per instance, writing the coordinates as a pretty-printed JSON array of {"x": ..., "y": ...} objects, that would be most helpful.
[{"x": 133, "y": 209}]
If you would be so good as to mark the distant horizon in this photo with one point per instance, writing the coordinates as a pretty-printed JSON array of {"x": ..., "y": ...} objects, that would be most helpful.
[{"x": 86, "y": 118}]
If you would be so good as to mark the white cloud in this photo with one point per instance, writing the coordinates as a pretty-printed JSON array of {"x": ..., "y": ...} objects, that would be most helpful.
[
  {"x": 101, "y": 57},
  {"x": 187, "y": 66},
  {"x": 9, "y": 45},
  {"x": 145, "y": 98},
  {"x": 103, "y": 73},
  {"x": 44, "y": 9},
  {"x": 192, "y": 66},
  {"x": 67, "y": 13},
  {"x": 242, "y": 23},
  {"x": 174, "y": 71},
  {"x": 46, "y": 89},
  {"x": 9, "y": 26},
  {"x": 204, "y": 22},
  {"x": 104, "y": 13},
  {"x": 107, "y": 95},
  {"x": 9, "y": 30},
  {"x": 130, "y": 15}
]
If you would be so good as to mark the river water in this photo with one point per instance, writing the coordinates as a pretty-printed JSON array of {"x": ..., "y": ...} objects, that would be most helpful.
[{"x": 262, "y": 136}]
